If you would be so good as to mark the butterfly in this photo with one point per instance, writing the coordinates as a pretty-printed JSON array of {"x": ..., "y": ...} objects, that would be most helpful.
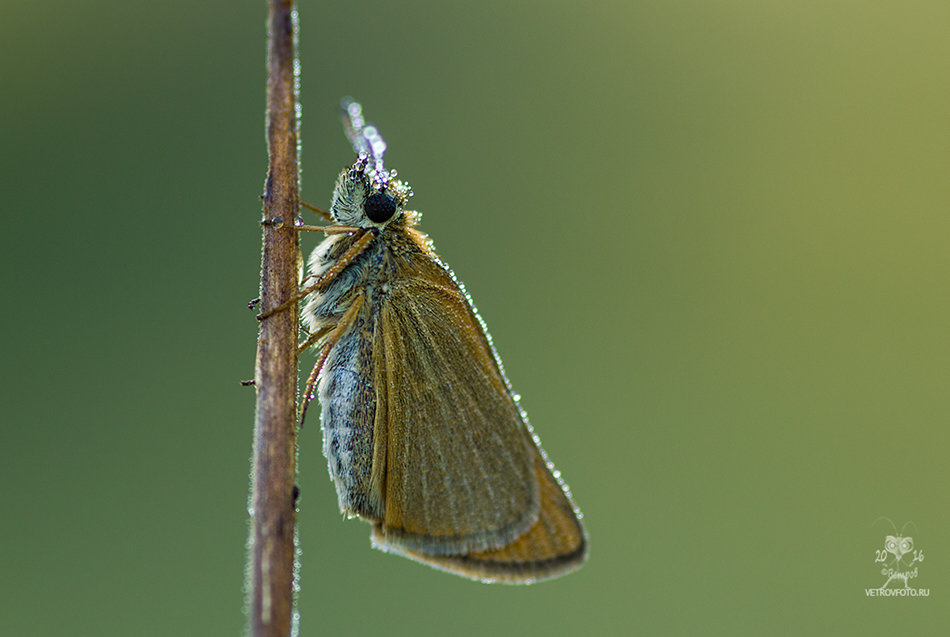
[{"x": 424, "y": 437}]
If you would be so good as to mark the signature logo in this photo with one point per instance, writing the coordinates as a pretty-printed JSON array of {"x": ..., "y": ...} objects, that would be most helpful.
[{"x": 899, "y": 562}]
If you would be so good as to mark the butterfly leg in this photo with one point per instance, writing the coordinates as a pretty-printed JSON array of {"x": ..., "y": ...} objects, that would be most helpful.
[
  {"x": 311, "y": 339},
  {"x": 320, "y": 211},
  {"x": 324, "y": 279},
  {"x": 333, "y": 229}
]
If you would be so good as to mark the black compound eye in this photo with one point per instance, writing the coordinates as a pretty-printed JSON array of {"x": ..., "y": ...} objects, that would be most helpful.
[{"x": 379, "y": 207}]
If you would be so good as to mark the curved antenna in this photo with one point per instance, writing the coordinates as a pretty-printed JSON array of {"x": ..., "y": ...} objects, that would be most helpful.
[
  {"x": 365, "y": 138},
  {"x": 894, "y": 526}
]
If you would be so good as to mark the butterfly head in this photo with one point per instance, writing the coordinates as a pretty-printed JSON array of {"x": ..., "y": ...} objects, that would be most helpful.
[{"x": 368, "y": 196}]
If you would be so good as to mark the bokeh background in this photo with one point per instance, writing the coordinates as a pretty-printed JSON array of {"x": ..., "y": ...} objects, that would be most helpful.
[{"x": 709, "y": 238}]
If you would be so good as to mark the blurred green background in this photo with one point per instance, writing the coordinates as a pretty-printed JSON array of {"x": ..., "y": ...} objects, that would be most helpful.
[{"x": 709, "y": 238}]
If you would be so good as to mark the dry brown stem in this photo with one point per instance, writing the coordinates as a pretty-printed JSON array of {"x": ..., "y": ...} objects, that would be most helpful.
[{"x": 273, "y": 516}]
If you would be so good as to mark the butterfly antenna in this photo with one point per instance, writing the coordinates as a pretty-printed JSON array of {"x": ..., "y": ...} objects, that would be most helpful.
[
  {"x": 365, "y": 138},
  {"x": 353, "y": 124}
]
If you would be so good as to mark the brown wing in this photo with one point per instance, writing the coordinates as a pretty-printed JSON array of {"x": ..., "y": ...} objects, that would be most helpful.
[
  {"x": 459, "y": 464},
  {"x": 556, "y": 544},
  {"x": 464, "y": 481}
]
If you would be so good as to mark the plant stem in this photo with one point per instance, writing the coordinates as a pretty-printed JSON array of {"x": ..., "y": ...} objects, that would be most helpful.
[{"x": 273, "y": 515}]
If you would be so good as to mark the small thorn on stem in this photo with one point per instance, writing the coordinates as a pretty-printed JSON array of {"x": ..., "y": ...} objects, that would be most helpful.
[{"x": 248, "y": 383}]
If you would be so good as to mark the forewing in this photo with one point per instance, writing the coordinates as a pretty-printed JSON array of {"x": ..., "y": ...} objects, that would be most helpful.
[{"x": 460, "y": 464}]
